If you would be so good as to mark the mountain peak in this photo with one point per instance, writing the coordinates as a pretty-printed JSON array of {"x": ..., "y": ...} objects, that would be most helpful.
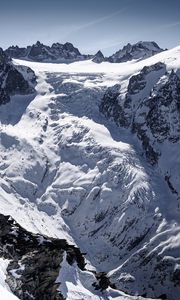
[
  {"x": 98, "y": 57},
  {"x": 3, "y": 57},
  {"x": 139, "y": 50},
  {"x": 38, "y": 43}
]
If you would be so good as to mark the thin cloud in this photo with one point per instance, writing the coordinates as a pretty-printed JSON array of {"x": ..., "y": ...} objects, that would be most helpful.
[
  {"x": 96, "y": 21},
  {"x": 101, "y": 20},
  {"x": 171, "y": 25}
]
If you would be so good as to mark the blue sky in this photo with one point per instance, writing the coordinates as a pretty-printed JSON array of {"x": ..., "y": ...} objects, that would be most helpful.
[{"x": 90, "y": 25}]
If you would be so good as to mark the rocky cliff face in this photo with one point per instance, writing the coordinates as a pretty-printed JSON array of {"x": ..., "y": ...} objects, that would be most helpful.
[
  {"x": 138, "y": 51},
  {"x": 14, "y": 80},
  {"x": 150, "y": 107},
  {"x": 40, "y": 52},
  {"x": 98, "y": 57},
  {"x": 34, "y": 261}
]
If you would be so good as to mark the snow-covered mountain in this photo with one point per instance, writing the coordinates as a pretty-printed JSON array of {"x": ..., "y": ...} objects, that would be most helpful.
[
  {"x": 67, "y": 53},
  {"x": 140, "y": 50},
  {"x": 98, "y": 57},
  {"x": 92, "y": 159}
]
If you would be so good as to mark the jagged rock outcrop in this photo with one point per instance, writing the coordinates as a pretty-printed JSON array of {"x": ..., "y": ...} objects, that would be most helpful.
[
  {"x": 138, "y": 51},
  {"x": 12, "y": 79},
  {"x": 98, "y": 57},
  {"x": 150, "y": 107},
  {"x": 129, "y": 109},
  {"x": 34, "y": 261},
  {"x": 163, "y": 112},
  {"x": 156, "y": 120},
  {"x": 40, "y": 52}
]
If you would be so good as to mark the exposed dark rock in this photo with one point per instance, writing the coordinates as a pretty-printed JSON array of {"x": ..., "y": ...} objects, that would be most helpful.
[
  {"x": 35, "y": 261},
  {"x": 138, "y": 82},
  {"x": 112, "y": 107},
  {"x": 103, "y": 282},
  {"x": 150, "y": 109},
  {"x": 4, "y": 59},
  {"x": 176, "y": 277},
  {"x": 16, "y": 52},
  {"x": 12, "y": 79},
  {"x": 151, "y": 154},
  {"x": 16, "y": 84},
  {"x": 4, "y": 97},
  {"x": 98, "y": 57},
  {"x": 167, "y": 179},
  {"x": 163, "y": 297},
  {"x": 40, "y": 52},
  {"x": 138, "y": 51},
  {"x": 164, "y": 109}
]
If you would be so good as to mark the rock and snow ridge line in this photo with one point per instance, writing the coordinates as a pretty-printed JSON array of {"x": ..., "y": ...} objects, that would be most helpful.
[
  {"x": 38, "y": 264},
  {"x": 68, "y": 53},
  {"x": 70, "y": 152}
]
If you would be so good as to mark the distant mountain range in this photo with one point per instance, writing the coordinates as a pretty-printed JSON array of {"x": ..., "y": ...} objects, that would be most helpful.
[{"x": 68, "y": 53}]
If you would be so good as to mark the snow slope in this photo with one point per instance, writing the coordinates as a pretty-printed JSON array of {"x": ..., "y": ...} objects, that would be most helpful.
[
  {"x": 4, "y": 289},
  {"x": 67, "y": 172}
]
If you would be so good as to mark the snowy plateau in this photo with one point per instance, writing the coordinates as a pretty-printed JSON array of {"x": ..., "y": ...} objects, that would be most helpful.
[{"x": 90, "y": 178}]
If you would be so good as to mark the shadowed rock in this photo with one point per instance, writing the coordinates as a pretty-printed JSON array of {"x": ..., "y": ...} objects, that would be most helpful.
[
  {"x": 12, "y": 79},
  {"x": 34, "y": 261}
]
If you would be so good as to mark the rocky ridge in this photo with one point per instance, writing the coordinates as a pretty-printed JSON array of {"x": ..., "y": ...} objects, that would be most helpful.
[
  {"x": 140, "y": 50},
  {"x": 40, "y": 52},
  {"x": 14, "y": 79},
  {"x": 34, "y": 261},
  {"x": 68, "y": 53},
  {"x": 150, "y": 108}
]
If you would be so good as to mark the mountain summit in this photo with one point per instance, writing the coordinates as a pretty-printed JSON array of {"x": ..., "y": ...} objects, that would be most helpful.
[{"x": 138, "y": 51}]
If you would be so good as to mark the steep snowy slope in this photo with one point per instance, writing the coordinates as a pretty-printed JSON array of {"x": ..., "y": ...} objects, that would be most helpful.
[{"x": 68, "y": 172}]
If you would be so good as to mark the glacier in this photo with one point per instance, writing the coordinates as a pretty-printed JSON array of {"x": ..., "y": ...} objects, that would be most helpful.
[{"x": 68, "y": 172}]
